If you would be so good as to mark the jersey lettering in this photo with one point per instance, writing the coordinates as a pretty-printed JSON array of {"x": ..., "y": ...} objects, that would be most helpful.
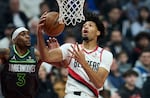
[
  {"x": 22, "y": 68},
  {"x": 76, "y": 64},
  {"x": 93, "y": 65}
]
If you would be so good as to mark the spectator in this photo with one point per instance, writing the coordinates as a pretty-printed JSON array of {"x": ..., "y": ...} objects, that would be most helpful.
[
  {"x": 131, "y": 9},
  {"x": 30, "y": 7},
  {"x": 59, "y": 87},
  {"x": 146, "y": 88},
  {"x": 147, "y": 3},
  {"x": 115, "y": 95},
  {"x": 105, "y": 93},
  {"x": 45, "y": 89},
  {"x": 3, "y": 9},
  {"x": 64, "y": 73},
  {"x": 122, "y": 59},
  {"x": 69, "y": 38},
  {"x": 54, "y": 75},
  {"x": 114, "y": 20},
  {"x": 32, "y": 24},
  {"x": 43, "y": 8},
  {"x": 6, "y": 41},
  {"x": 14, "y": 15},
  {"x": 53, "y": 5},
  {"x": 129, "y": 90},
  {"x": 142, "y": 41},
  {"x": 105, "y": 5},
  {"x": 143, "y": 68},
  {"x": 114, "y": 80},
  {"x": 118, "y": 43},
  {"x": 47, "y": 66},
  {"x": 142, "y": 23},
  {"x": 92, "y": 6}
]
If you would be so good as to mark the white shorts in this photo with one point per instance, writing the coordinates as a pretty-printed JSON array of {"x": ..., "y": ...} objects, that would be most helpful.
[{"x": 82, "y": 95}]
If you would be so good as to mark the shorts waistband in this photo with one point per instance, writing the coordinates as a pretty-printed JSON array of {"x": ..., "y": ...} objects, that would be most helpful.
[{"x": 79, "y": 93}]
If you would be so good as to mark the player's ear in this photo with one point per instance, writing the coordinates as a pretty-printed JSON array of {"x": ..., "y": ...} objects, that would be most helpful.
[
  {"x": 14, "y": 41},
  {"x": 98, "y": 33}
]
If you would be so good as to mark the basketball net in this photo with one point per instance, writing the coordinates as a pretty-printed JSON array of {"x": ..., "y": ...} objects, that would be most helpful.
[{"x": 71, "y": 11}]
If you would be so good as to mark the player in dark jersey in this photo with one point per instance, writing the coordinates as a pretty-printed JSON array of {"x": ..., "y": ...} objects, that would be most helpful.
[{"x": 19, "y": 76}]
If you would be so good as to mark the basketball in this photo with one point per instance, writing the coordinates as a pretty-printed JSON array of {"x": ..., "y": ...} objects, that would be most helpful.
[{"x": 52, "y": 27}]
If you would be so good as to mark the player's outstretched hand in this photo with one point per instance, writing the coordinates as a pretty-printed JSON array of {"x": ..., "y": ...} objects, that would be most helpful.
[{"x": 52, "y": 43}]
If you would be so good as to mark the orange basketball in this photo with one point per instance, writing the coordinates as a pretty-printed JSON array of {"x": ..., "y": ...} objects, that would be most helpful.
[{"x": 52, "y": 27}]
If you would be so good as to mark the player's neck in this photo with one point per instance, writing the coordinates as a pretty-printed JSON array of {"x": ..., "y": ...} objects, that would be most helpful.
[
  {"x": 20, "y": 50},
  {"x": 89, "y": 45}
]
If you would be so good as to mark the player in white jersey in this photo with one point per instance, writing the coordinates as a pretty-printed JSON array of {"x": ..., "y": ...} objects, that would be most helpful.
[{"x": 88, "y": 64}]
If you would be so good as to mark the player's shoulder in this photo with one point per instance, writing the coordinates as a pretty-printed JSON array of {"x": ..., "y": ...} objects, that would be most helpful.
[
  {"x": 105, "y": 52},
  {"x": 66, "y": 45}
]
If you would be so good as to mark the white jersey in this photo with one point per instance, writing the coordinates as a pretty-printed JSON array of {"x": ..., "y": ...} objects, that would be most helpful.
[{"x": 96, "y": 58}]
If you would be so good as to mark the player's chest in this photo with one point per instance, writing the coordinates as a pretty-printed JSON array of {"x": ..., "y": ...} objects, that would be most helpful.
[{"x": 93, "y": 60}]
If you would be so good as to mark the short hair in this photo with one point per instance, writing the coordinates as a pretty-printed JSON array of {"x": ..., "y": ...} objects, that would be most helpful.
[
  {"x": 145, "y": 50},
  {"x": 43, "y": 3},
  {"x": 68, "y": 35},
  {"x": 122, "y": 52},
  {"x": 113, "y": 7},
  {"x": 141, "y": 35},
  {"x": 90, "y": 16},
  {"x": 129, "y": 73},
  {"x": 10, "y": 26}
]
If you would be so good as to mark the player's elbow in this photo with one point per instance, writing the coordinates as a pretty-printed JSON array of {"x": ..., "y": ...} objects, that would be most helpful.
[
  {"x": 45, "y": 59},
  {"x": 99, "y": 85}
]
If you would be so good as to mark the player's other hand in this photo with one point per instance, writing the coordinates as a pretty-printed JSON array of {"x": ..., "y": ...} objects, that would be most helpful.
[
  {"x": 78, "y": 54},
  {"x": 52, "y": 43},
  {"x": 42, "y": 22}
]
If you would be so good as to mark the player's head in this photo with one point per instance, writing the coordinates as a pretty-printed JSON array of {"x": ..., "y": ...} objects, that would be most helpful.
[
  {"x": 92, "y": 27},
  {"x": 21, "y": 37}
]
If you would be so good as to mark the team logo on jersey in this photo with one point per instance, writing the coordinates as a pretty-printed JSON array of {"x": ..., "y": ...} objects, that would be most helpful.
[
  {"x": 30, "y": 59},
  {"x": 94, "y": 55},
  {"x": 13, "y": 58}
]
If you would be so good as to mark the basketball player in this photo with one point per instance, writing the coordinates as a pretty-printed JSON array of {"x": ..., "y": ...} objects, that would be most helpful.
[
  {"x": 19, "y": 76},
  {"x": 88, "y": 64}
]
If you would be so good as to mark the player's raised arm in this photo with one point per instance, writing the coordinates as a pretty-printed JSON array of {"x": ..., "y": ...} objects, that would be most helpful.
[{"x": 54, "y": 55}]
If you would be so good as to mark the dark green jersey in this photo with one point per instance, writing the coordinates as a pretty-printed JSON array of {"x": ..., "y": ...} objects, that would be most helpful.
[{"x": 19, "y": 77}]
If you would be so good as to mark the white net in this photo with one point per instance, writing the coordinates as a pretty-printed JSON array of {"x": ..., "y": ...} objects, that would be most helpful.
[{"x": 71, "y": 11}]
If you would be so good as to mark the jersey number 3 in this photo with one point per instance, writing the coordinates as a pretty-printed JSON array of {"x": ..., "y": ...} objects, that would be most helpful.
[{"x": 21, "y": 79}]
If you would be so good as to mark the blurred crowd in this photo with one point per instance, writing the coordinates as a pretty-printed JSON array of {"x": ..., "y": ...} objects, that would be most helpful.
[{"x": 127, "y": 36}]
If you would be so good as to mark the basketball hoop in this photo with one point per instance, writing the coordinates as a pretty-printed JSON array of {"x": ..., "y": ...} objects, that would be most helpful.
[{"x": 70, "y": 11}]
